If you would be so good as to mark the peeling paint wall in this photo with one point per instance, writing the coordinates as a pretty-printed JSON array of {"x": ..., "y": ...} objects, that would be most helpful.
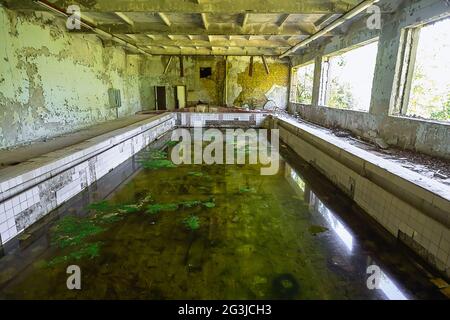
[
  {"x": 255, "y": 91},
  {"x": 52, "y": 82},
  {"x": 414, "y": 134},
  {"x": 242, "y": 90},
  {"x": 206, "y": 90}
]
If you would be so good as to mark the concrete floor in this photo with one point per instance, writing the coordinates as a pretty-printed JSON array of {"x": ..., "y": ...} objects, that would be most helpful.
[{"x": 36, "y": 149}]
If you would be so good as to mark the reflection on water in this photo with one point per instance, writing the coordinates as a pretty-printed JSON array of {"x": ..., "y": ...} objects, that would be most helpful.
[
  {"x": 212, "y": 232},
  {"x": 316, "y": 206}
]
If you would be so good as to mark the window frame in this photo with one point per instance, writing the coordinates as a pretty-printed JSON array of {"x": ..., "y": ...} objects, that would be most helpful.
[
  {"x": 294, "y": 83},
  {"x": 324, "y": 88},
  {"x": 409, "y": 42}
]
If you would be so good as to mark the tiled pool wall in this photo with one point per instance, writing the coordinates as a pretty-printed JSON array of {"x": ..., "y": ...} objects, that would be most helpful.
[
  {"x": 33, "y": 188},
  {"x": 398, "y": 199},
  {"x": 221, "y": 120}
]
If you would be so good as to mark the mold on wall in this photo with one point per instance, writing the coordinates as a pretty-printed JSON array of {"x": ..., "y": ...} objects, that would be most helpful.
[{"x": 53, "y": 82}]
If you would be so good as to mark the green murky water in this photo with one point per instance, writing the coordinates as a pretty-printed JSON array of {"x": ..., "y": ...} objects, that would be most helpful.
[{"x": 211, "y": 232}]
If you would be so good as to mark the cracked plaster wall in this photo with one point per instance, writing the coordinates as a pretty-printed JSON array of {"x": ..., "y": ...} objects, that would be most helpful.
[{"x": 52, "y": 82}]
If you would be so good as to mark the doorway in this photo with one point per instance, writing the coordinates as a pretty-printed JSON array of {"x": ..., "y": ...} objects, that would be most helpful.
[{"x": 160, "y": 93}]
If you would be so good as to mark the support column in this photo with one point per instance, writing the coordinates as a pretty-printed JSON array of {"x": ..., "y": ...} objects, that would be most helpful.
[
  {"x": 317, "y": 80},
  {"x": 384, "y": 84}
]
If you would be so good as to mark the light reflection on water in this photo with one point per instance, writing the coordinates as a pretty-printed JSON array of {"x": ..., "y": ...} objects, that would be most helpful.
[{"x": 341, "y": 232}]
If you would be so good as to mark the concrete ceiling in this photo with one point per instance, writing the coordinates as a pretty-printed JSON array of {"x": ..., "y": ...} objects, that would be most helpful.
[{"x": 204, "y": 27}]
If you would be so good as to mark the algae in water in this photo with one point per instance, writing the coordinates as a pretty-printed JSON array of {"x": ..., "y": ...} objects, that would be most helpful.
[
  {"x": 155, "y": 208},
  {"x": 156, "y": 159},
  {"x": 71, "y": 230},
  {"x": 246, "y": 189},
  {"x": 192, "y": 223},
  {"x": 90, "y": 251}
]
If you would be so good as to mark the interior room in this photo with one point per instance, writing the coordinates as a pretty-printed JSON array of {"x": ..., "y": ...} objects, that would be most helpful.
[{"x": 225, "y": 149}]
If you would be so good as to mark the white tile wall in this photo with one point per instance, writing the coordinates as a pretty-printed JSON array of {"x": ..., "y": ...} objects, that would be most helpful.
[{"x": 190, "y": 119}]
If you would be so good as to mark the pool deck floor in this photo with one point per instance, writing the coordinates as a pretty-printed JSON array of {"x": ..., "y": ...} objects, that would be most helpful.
[{"x": 23, "y": 153}]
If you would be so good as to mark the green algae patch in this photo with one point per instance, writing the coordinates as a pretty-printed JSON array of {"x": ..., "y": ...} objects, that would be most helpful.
[
  {"x": 128, "y": 208},
  {"x": 156, "y": 208},
  {"x": 156, "y": 159},
  {"x": 110, "y": 218},
  {"x": 89, "y": 251},
  {"x": 315, "y": 229},
  {"x": 191, "y": 203},
  {"x": 101, "y": 206},
  {"x": 106, "y": 207},
  {"x": 71, "y": 231},
  {"x": 195, "y": 173},
  {"x": 192, "y": 223},
  {"x": 157, "y": 164},
  {"x": 209, "y": 204},
  {"x": 172, "y": 143},
  {"x": 246, "y": 190}
]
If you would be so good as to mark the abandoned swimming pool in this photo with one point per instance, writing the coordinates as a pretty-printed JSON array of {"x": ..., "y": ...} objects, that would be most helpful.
[{"x": 151, "y": 229}]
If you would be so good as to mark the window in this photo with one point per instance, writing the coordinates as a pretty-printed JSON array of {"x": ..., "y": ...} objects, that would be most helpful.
[
  {"x": 205, "y": 72},
  {"x": 429, "y": 89},
  {"x": 348, "y": 78},
  {"x": 303, "y": 78}
]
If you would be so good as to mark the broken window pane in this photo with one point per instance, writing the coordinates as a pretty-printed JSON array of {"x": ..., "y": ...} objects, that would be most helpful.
[
  {"x": 430, "y": 86},
  {"x": 303, "y": 83},
  {"x": 350, "y": 75}
]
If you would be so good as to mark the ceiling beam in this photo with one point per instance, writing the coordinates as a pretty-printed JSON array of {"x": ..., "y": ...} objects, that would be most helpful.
[
  {"x": 325, "y": 19},
  {"x": 204, "y": 21},
  {"x": 154, "y": 28},
  {"x": 164, "y": 19},
  {"x": 244, "y": 20},
  {"x": 218, "y": 7},
  {"x": 282, "y": 20},
  {"x": 124, "y": 18},
  {"x": 223, "y": 51},
  {"x": 217, "y": 43}
]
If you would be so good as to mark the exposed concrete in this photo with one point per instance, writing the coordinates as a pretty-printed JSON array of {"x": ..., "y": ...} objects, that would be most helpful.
[
  {"x": 423, "y": 136},
  {"x": 429, "y": 137}
]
